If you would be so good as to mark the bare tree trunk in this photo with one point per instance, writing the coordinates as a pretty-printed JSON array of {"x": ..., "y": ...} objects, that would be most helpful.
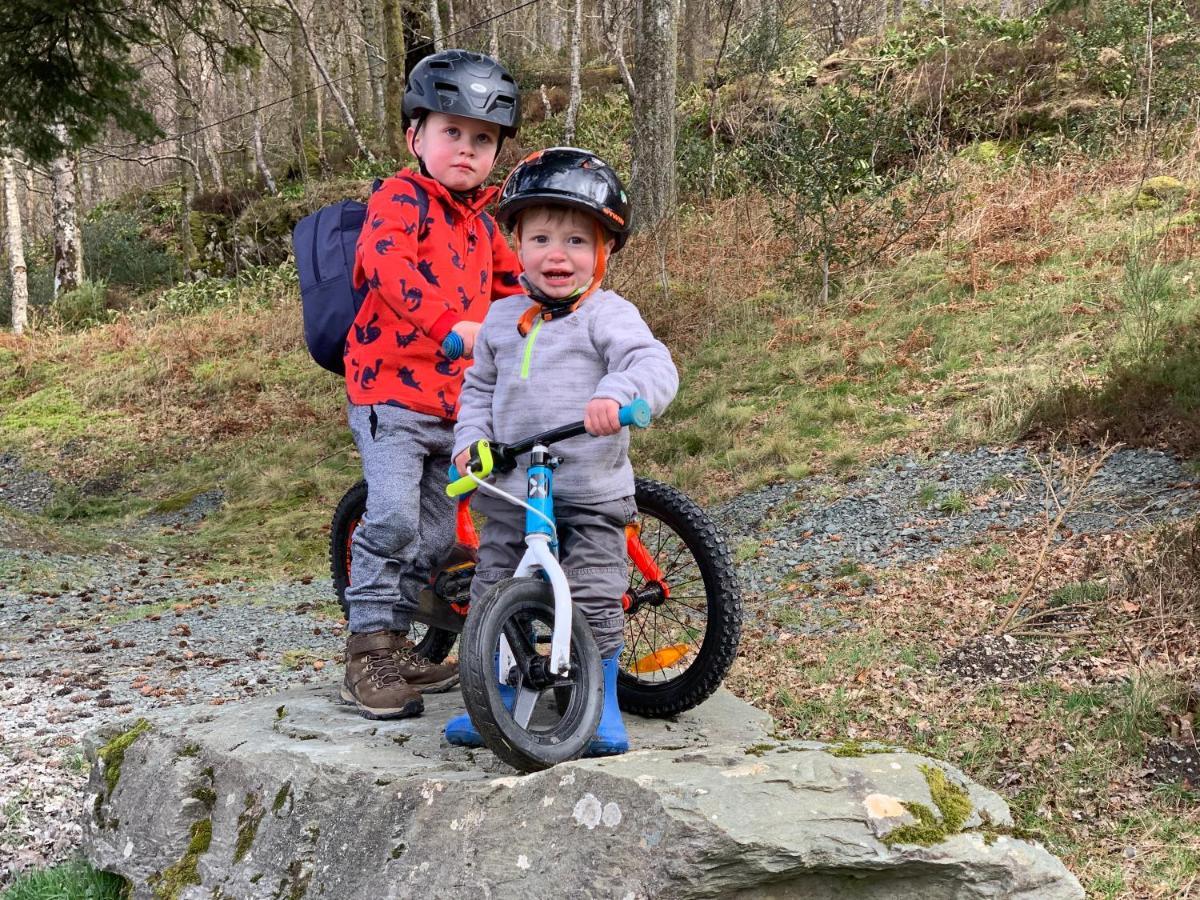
[
  {"x": 299, "y": 85},
  {"x": 209, "y": 140},
  {"x": 549, "y": 35},
  {"x": 452, "y": 23},
  {"x": 244, "y": 98},
  {"x": 615, "y": 38},
  {"x": 837, "y": 24},
  {"x": 655, "y": 54},
  {"x": 185, "y": 123},
  {"x": 375, "y": 38},
  {"x": 494, "y": 29},
  {"x": 691, "y": 12},
  {"x": 347, "y": 116},
  {"x": 576, "y": 91},
  {"x": 16, "y": 247},
  {"x": 393, "y": 119},
  {"x": 435, "y": 20},
  {"x": 260, "y": 156},
  {"x": 68, "y": 243},
  {"x": 30, "y": 200},
  {"x": 322, "y": 158}
]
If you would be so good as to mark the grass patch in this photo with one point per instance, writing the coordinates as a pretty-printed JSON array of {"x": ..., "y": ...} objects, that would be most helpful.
[
  {"x": 915, "y": 350},
  {"x": 74, "y": 880},
  {"x": 1066, "y": 749}
]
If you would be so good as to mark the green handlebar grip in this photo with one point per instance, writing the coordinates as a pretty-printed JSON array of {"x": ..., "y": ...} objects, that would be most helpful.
[{"x": 481, "y": 464}]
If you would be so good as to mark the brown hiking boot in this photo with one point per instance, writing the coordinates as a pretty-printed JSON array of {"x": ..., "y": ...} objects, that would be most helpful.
[
  {"x": 427, "y": 677},
  {"x": 374, "y": 682}
]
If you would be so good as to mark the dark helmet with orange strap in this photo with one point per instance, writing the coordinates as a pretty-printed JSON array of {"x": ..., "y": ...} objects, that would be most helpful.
[
  {"x": 462, "y": 83},
  {"x": 567, "y": 176}
]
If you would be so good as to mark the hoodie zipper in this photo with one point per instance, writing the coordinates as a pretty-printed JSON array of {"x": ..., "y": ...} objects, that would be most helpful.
[{"x": 528, "y": 354}]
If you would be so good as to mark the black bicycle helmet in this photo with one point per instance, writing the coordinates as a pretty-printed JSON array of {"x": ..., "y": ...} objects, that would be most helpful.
[
  {"x": 567, "y": 176},
  {"x": 462, "y": 83}
]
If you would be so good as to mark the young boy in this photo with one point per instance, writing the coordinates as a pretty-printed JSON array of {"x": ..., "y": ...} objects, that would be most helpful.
[
  {"x": 565, "y": 350},
  {"x": 433, "y": 260}
]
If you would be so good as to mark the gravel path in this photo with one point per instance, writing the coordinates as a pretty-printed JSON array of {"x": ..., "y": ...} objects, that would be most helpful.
[
  {"x": 822, "y": 531},
  {"x": 88, "y": 637}
]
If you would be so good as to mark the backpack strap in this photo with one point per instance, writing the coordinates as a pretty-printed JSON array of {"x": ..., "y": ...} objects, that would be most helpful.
[{"x": 422, "y": 196}]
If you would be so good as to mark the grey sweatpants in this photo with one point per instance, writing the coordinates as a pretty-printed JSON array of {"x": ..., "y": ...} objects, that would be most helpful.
[
  {"x": 591, "y": 550},
  {"x": 408, "y": 526}
]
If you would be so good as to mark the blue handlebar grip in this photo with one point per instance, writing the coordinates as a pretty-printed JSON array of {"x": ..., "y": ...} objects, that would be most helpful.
[
  {"x": 636, "y": 414},
  {"x": 452, "y": 345}
]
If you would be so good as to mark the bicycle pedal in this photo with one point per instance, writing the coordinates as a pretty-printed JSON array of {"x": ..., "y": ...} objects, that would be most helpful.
[{"x": 454, "y": 583}]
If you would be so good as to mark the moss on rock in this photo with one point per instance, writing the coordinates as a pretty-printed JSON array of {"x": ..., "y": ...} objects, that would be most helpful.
[
  {"x": 953, "y": 808},
  {"x": 248, "y": 823},
  {"x": 281, "y": 796},
  {"x": 855, "y": 748},
  {"x": 1158, "y": 190},
  {"x": 112, "y": 754},
  {"x": 170, "y": 884}
]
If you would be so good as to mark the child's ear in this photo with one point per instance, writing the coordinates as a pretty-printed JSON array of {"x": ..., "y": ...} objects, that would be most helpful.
[
  {"x": 410, "y": 138},
  {"x": 608, "y": 246}
]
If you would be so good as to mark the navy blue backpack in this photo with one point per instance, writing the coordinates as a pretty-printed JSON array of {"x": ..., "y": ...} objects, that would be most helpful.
[{"x": 324, "y": 244}]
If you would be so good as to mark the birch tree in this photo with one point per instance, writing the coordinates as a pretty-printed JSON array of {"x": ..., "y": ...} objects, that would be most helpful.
[
  {"x": 494, "y": 28},
  {"x": 260, "y": 156},
  {"x": 435, "y": 19},
  {"x": 575, "y": 90},
  {"x": 614, "y": 38},
  {"x": 68, "y": 243},
  {"x": 16, "y": 246},
  {"x": 655, "y": 52},
  {"x": 393, "y": 118},
  {"x": 376, "y": 67},
  {"x": 299, "y": 87},
  {"x": 347, "y": 116}
]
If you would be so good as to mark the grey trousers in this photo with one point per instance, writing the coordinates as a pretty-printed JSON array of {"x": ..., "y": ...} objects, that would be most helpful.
[
  {"x": 591, "y": 549},
  {"x": 408, "y": 526}
]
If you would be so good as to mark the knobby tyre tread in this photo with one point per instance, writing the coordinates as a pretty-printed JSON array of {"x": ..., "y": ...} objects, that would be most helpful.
[{"x": 723, "y": 605}]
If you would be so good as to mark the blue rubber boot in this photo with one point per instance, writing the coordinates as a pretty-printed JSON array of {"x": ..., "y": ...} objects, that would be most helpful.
[
  {"x": 461, "y": 731},
  {"x": 611, "y": 738}
]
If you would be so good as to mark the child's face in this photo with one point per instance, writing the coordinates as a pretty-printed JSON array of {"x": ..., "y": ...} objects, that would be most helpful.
[
  {"x": 459, "y": 152},
  {"x": 558, "y": 250}
]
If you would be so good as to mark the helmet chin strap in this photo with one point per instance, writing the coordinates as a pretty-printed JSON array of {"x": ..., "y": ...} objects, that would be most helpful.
[{"x": 546, "y": 307}]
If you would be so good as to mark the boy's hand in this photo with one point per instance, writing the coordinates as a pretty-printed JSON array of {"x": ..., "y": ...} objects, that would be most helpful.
[
  {"x": 467, "y": 331},
  {"x": 600, "y": 417},
  {"x": 461, "y": 461}
]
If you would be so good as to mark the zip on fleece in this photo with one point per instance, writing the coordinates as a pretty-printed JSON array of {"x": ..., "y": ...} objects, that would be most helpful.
[{"x": 528, "y": 354}]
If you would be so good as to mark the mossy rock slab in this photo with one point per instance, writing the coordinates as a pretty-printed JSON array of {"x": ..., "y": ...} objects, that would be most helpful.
[
  {"x": 243, "y": 801},
  {"x": 1159, "y": 190}
]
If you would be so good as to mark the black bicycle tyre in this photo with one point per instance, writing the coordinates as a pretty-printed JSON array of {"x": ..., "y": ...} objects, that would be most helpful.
[
  {"x": 436, "y": 643},
  {"x": 723, "y": 604},
  {"x": 526, "y": 751}
]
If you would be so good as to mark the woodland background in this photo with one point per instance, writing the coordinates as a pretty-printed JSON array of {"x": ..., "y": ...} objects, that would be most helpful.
[{"x": 866, "y": 229}]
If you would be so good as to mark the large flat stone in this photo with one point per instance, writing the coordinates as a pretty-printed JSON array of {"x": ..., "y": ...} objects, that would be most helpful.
[{"x": 303, "y": 798}]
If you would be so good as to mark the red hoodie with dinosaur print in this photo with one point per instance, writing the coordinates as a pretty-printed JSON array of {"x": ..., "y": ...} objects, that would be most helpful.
[{"x": 429, "y": 260}]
